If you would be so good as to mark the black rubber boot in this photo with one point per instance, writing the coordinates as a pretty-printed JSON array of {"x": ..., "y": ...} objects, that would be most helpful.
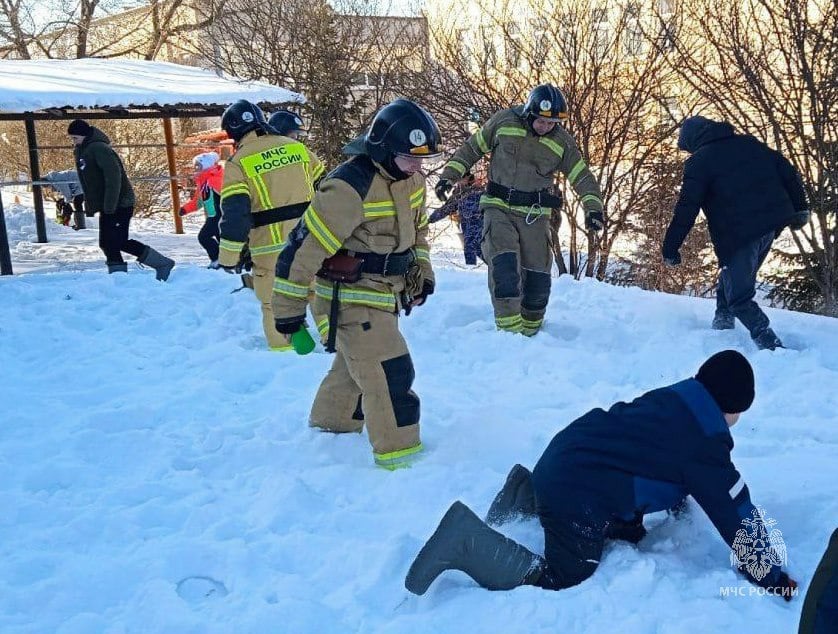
[
  {"x": 767, "y": 340},
  {"x": 117, "y": 267},
  {"x": 516, "y": 498},
  {"x": 463, "y": 542},
  {"x": 723, "y": 321},
  {"x": 160, "y": 263}
]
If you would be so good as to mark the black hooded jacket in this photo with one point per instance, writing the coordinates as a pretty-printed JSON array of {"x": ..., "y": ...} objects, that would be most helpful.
[
  {"x": 745, "y": 188},
  {"x": 102, "y": 175}
]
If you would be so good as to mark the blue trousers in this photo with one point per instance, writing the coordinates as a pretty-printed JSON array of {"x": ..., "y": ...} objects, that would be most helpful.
[{"x": 737, "y": 285}]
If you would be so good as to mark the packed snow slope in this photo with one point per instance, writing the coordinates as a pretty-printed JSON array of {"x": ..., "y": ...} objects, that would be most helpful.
[{"x": 157, "y": 473}]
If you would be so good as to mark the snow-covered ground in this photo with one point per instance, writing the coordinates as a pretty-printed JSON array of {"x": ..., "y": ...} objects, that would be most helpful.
[{"x": 157, "y": 474}]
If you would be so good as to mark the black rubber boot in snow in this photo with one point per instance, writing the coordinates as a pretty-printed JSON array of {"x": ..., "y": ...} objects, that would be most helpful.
[
  {"x": 463, "y": 542},
  {"x": 517, "y": 497},
  {"x": 117, "y": 267},
  {"x": 767, "y": 340},
  {"x": 723, "y": 321},
  {"x": 160, "y": 263}
]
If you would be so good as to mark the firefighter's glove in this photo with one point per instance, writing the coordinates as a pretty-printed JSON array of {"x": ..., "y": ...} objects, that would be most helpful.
[
  {"x": 289, "y": 325},
  {"x": 427, "y": 289},
  {"x": 594, "y": 221},
  {"x": 443, "y": 189}
]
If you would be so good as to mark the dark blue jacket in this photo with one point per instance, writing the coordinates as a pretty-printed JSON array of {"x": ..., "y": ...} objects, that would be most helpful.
[
  {"x": 646, "y": 456},
  {"x": 745, "y": 188}
]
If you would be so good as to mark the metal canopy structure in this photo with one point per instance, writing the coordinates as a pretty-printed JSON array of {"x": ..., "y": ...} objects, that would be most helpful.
[{"x": 91, "y": 89}]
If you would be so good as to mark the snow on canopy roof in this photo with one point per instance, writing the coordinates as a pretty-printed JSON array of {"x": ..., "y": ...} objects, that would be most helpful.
[{"x": 33, "y": 85}]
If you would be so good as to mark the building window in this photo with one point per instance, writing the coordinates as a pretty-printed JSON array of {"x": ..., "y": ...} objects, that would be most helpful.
[
  {"x": 670, "y": 112},
  {"x": 633, "y": 29},
  {"x": 513, "y": 45},
  {"x": 599, "y": 23},
  {"x": 489, "y": 56}
]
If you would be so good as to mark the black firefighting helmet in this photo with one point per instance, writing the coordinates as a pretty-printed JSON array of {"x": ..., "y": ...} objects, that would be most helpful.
[
  {"x": 242, "y": 117},
  {"x": 548, "y": 102},
  {"x": 402, "y": 128},
  {"x": 286, "y": 122}
]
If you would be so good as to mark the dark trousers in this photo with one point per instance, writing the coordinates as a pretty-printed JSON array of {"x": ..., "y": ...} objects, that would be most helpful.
[
  {"x": 737, "y": 285},
  {"x": 113, "y": 236},
  {"x": 472, "y": 229},
  {"x": 209, "y": 236},
  {"x": 572, "y": 551}
]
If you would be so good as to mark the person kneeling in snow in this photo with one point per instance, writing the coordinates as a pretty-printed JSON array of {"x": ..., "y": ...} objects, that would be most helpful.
[
  {"x": 600, "y": 475},
  {"x": 209, "y": 175}
]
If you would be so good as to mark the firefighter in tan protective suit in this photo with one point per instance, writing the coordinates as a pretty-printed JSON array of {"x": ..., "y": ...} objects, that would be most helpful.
[
  {"x": 528, "y": 147},
  {"x": 365, "y": 238},
  {"x": 268, "y": 184}
]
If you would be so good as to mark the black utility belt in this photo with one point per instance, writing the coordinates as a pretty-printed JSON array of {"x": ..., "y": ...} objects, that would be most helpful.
[
  {"x": 518, "y": 198},
  {"x": 384, "y": 264},
  {"x": 278, "y": 214}
]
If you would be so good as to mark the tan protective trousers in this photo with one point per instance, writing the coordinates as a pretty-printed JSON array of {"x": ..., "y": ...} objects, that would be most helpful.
[
  {"x": 264, "y": 270},
  {"x": 370, "y": 382},
  {"x": 519, "y": 253}
]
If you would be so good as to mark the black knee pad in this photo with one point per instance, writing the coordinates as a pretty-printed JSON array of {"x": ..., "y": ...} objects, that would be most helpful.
[
  {"x": 400, "y": 374},
  {"x": 536, "y": 290},
  {"x": 505, "y": 275}
]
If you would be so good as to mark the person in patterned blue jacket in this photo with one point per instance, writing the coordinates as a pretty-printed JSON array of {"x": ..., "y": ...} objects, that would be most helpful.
[
  {"x": 600, "y": 475},
  {"x": 466, "y": 203}
]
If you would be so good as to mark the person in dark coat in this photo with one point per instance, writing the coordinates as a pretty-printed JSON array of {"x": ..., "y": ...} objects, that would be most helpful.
[
  {"x": 108, "y": 192},
  {"x": 600, "y": 475},
  {"x": 749, "y": 194},
  {"x": 820, "y": 608},
  {"x": 465, "y": 202}
]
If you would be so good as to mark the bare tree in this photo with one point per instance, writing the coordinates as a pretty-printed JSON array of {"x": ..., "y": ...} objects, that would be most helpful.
[
  {"x": 644, "y": 267},
  {"x": 343, "y": 56},
  {"x": 100, "y": 28},
  {"x": 603, "y": 58},
  {"x": 770, "y": 67}
]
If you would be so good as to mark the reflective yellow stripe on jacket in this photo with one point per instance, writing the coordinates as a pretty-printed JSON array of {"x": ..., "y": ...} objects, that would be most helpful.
[
  {"x": 234, "y": 189},
  {"x": 230, "y": 245},
  {"x": 320, "y": 231},
  {"x": 380, "y": 209},
  {"x": 290, "y": 289},
  {"x": 349, "y": 294}
]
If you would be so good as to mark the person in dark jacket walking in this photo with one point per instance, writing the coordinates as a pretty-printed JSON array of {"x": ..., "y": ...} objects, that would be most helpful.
[
  {"x": 749, "y": 194},
  {"x": 108, "y": 192},
  {"x": 600, "y": 475},
  {"x": 465, "y": 202}
]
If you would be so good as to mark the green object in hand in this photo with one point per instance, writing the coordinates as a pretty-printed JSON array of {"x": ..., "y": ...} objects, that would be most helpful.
[{"x": 301, "y": 341}]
